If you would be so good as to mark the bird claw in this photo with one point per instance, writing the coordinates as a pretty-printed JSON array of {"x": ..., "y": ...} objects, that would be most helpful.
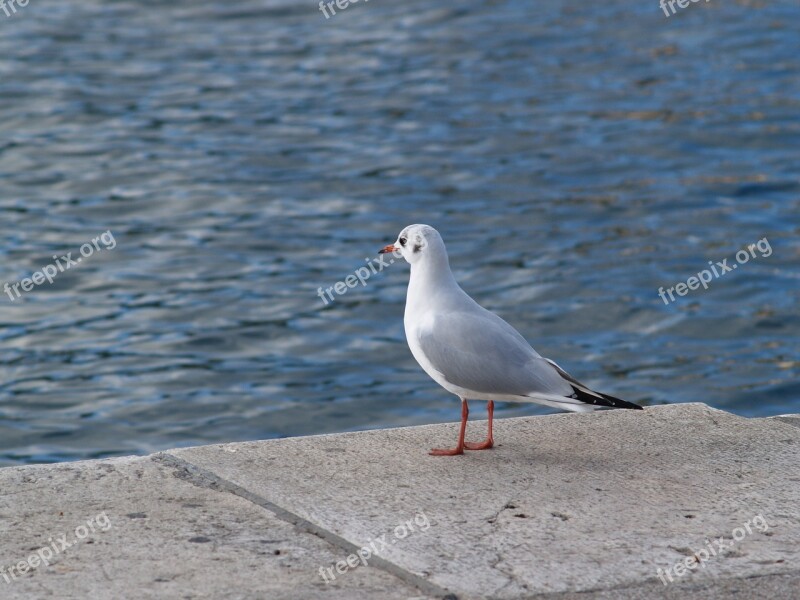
[
  {"x": 446, "y": 451},
  {"x": 485, "y": 445}
]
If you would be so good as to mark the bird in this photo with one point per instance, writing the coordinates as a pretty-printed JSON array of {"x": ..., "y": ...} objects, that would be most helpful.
[{"x": 470, "y": 351}]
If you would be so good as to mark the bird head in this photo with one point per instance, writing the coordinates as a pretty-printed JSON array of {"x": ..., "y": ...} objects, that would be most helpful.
[{"x": 416, "y": 243}]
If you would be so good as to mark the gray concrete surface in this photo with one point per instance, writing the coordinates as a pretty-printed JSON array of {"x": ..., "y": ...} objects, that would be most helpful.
[{"x": 566, "y": 506}]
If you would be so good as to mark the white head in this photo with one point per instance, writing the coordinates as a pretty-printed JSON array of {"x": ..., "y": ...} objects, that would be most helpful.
[{"x": 419, "y": 243}]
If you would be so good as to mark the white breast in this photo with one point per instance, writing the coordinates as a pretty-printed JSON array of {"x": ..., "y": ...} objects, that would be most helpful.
[{"x": 413, "y": 329}]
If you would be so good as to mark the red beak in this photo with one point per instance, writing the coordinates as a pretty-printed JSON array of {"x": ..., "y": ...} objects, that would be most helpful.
[{"x": 387, "y": 249}]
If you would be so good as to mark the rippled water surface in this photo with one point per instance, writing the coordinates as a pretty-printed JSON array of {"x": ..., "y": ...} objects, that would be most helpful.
[{"x": 576, "y": 157}]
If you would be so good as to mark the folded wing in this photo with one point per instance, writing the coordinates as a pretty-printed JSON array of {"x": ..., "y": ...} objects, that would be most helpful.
[{"x": 479, "y": 351}]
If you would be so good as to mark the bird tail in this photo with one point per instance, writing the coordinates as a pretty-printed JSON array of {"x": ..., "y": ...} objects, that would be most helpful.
[
  {"x": 589, "y": 396},
  {"x": 599, "y": 399}
]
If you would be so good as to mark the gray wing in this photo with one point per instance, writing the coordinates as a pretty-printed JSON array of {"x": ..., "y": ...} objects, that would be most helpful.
[{"x": 478, "y": 351}]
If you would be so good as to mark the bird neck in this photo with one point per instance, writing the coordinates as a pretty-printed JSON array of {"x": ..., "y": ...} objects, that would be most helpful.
[{"x": 430, "y": 280}]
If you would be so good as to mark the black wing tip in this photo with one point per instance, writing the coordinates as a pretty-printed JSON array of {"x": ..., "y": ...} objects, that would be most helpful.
[{"x": 603, "y": 400}]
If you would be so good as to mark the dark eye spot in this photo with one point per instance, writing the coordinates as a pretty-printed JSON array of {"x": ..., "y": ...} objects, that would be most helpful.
[{"x": 403, "y": 241}]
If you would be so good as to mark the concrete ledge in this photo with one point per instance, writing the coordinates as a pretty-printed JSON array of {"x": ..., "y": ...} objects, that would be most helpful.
[{"x": 566, "y": 506}]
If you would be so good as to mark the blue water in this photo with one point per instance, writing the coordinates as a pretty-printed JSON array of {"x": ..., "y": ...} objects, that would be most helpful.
[{"x": 575, "y": 156}]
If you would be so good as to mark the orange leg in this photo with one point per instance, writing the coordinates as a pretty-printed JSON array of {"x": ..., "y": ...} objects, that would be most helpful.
[
  {"x": 459, "y": 449},
  {"x": 489, "y": 442}
]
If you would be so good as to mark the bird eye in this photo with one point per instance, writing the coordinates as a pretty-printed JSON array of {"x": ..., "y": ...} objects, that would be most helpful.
[{"x": 403, "y": 241}]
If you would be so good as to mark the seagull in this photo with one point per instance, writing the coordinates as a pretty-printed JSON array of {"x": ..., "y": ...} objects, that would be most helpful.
[{"x": 470, "y": 351}]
